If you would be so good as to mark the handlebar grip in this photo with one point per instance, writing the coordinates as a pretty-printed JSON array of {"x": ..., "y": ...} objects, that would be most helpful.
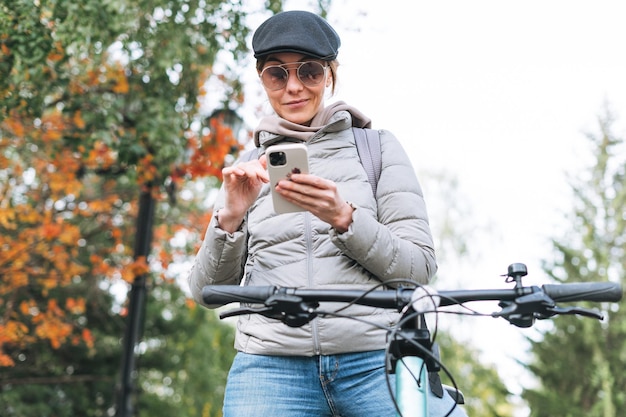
[
  {"x": 224, "y": 294},
  {"x": 587, "y": 291}
]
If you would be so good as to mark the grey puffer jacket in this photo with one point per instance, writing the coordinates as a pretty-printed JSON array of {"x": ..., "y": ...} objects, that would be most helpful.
[{"x": 388, "y": 238}]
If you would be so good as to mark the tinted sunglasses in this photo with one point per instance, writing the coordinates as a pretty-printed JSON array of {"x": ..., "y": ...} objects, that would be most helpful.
[{"x": 310, "y": 73}]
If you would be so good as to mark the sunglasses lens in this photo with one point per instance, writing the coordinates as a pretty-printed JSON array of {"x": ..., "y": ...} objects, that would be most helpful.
[
  {"x": 274, "y": 77},
  {"x": 311, "y": 73}
]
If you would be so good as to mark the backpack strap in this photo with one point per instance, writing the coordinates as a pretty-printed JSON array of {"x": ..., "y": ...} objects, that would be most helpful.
[{"x": 368, "y": 147}]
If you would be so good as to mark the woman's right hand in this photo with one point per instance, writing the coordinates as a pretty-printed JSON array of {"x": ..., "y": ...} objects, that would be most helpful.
[{"x": 242, "y": 184}]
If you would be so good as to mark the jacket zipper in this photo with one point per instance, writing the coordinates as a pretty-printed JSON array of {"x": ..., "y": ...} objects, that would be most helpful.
[{"x": 309, "y": 249}]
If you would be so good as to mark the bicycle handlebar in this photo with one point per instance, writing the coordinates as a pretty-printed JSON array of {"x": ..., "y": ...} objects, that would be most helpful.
[
  {"x": 520, "y": 305},
  {"x": 586, "y": 291},
  {"x": 224, "y": 294},
  {"x": 589, "y": 291}
]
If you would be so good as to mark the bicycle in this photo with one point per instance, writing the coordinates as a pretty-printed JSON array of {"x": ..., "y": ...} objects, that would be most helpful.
[{"x": 410, "y": 352}]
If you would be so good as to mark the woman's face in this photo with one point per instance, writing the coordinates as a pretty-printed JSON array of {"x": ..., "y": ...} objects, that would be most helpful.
[{"x": 296, "y": 102}]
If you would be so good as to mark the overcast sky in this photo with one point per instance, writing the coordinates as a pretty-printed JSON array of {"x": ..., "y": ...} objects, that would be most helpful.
[{"x": 499, "y": 93}]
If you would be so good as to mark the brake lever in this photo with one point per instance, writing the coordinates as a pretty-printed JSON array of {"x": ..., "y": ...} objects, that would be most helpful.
[
  {"x": 580, "y": 311},
  {"x": 523, "y": 311},
  {"x": 289, "y": 309},
  {"x": 244, "y": 310}
]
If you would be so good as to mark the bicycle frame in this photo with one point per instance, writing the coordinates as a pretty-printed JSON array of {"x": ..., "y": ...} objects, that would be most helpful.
[
  {"x": 413, "y": 360},
  {"x": 411, "y": 392},
  {"x": 410, "y": 367}
]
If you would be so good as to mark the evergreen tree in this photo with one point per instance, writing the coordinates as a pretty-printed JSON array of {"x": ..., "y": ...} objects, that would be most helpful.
[{"x": 580, "y": 362}]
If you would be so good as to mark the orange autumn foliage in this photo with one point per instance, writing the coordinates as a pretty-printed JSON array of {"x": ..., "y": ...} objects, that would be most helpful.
[
  {"x": 41, "y": 231},
  {"x": 65, "y": 219},
  {"x": 209, "y": 151}
]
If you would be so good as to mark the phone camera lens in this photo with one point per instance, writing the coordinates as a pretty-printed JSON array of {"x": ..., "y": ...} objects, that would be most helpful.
[{"x": 278, "y": 158}]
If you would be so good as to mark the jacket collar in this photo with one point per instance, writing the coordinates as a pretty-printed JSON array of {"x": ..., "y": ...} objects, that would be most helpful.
[{"x": 333, "y": 118}]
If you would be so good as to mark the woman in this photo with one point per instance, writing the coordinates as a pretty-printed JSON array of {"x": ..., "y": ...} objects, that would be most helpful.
[{"x": 346, "y": 238}]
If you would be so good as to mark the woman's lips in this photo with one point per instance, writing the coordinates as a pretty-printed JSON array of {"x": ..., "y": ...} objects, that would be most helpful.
[{"x": 295, "y": 104}]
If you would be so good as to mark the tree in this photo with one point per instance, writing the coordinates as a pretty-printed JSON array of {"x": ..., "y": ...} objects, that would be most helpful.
[
  {"x": 184, "y": 358},
  {"x": 99, "y": 103},
  {"x": 580, "y": 362},
  {"x": 187, "y": 355},
  {"x": 485, "y": 393},
  {"x": 73, "y": 379}
]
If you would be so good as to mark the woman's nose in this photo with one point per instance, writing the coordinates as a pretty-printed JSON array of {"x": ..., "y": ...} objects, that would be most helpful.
[{"x": 293, "y": 82}]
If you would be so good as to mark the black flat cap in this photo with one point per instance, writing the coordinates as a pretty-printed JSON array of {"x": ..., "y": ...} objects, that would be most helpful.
[{"x": 296, "y": 31}]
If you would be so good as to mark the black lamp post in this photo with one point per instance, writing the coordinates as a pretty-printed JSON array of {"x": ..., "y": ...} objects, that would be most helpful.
[
  {"x": 138, "y": 291},
  {"x": 137, "y": 303}
]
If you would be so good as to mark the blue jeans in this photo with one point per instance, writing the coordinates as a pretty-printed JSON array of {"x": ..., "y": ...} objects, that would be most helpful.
[{"x": 345, "y": 385}]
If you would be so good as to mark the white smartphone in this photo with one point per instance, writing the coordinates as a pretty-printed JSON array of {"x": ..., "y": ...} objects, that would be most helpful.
[{"x": 282, "y": 161}]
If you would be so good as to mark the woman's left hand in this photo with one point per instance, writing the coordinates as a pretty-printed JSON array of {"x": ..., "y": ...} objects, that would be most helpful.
[{"x": 320, "y": 197}]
